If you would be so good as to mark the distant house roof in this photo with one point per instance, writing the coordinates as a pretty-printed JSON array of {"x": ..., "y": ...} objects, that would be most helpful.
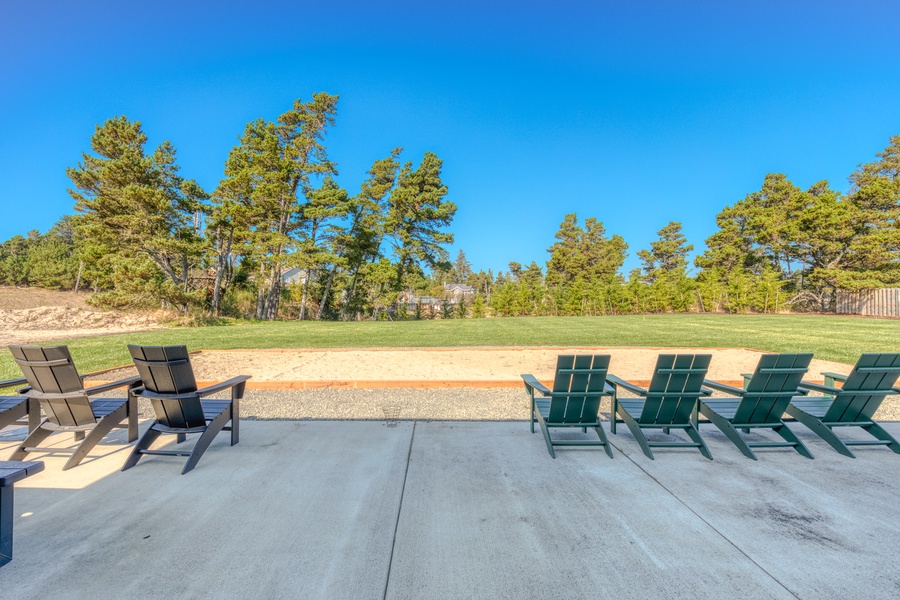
[
  {"x": 459, "y": 288},
  {"x": 294, "y": 275}
]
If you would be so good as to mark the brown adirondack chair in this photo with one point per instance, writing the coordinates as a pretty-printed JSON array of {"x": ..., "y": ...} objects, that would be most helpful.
[
  {"x": 55, "y": 383},
  {"x": 578, "y": 385},
  {"x": 853, "y": 405},
  {"x": 169, "y": 384}
]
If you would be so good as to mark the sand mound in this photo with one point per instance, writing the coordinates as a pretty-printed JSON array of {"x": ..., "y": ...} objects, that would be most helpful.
[{"x": 57, "y": 322}]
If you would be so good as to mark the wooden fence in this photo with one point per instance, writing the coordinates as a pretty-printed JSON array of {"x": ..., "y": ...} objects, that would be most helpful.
[{"x": 883, "y": 302}]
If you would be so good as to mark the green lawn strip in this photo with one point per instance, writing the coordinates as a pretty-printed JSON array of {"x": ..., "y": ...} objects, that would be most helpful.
[{"x": 840, "y": 339}]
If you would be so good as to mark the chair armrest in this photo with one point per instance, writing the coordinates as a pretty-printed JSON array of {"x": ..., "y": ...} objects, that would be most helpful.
[
  {"x": 706, "y": 391},
  {"x": 233, "y": 382},
  {"x": 619, "y": 382},
  {"x": 145, "y": 393},
  {"x": 531, "y": 382},
  {"x": 12, "y": 382},
  {"x": 721, "y": 387},
  {"x": 835, "y": 376},
  {"x": 130, "y": 381},
  {"x": 832, "y": 378},
  {"x": 222, "y": 386},
  {"x": 815, "y": 387}
]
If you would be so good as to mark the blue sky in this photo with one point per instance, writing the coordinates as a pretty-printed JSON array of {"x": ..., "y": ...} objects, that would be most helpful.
[{"x": 633, "y": 112}]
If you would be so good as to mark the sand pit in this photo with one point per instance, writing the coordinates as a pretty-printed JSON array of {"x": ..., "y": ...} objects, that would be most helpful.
[
  {"x": 429, "y": 383},
  {"x": 447, "y": 367}
]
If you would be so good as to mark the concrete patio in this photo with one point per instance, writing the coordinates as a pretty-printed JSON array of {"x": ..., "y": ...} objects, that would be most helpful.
[{"x": 358, "y": 509}]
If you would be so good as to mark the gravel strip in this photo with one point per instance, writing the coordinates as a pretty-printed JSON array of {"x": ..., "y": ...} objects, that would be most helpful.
[
  {"x": 403, "y": 404},
  {"x": 455, "y": 404}
]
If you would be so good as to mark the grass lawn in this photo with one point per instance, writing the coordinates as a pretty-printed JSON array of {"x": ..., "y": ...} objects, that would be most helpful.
[{"x": 841, "y": 339}]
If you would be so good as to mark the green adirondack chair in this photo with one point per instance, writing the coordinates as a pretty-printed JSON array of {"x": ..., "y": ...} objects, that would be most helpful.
[
  {"x": 669, "y": 403},
  {"x": 579, "y": 384},
  {"x": 761, "y": 404},
  {"x": 852, "y": 405}
]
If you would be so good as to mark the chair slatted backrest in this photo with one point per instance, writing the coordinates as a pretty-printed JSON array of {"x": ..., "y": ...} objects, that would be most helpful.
[
  {"x": 770, "y": 389},
  {"x": 50, "y": 370},
  {"x": 577, "y": 387},
  {"x": 674, "y": 389},
  {"x": 869, "y": 382},
  {"x": 167, "y": 370}
]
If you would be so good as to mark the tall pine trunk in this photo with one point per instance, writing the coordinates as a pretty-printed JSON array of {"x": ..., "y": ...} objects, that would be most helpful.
[
  {"x": 222, "y": 263},
  {"x": 261, "y": 294},
  {"x": 349, "y": 298},
  {"x": 273, "y": 293},
  {"x": 305, "y": 296},
  {"x": 325, "y": 294}
]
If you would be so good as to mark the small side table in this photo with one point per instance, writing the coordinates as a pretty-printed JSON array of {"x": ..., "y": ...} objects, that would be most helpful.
[{"x": 10, "y": 473}]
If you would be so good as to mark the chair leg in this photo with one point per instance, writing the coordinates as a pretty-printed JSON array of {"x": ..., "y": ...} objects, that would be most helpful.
[
  {"x": 695, "y": 435},
  {"x": 236, "y": 395},
  {"x": 143, "y": 444},
  {"x": 132, "y": 417},
  {"x": 533, "y": 408},
  {"x": 728, "y": 429},
  {"x": 32, "y": 440},
  {"x": 613, "y": 409},
  {"x": 6, "y": 524},
  {"x": 879, "y": 432},
  {"x": 104, "y": 426},
  {"x": 546, "y": 433},
  {"x": 602, "y": 435},
  {"x": 34, "y": 414},
  {"x": 205, "y": 440},
  {"x": 637, "y": 433},
  {"x": 820, "y": 429},
  {"x": 785, "y": 432}
]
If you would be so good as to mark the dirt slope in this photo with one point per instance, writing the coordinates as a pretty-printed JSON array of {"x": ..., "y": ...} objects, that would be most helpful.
[{"x": 30, "y": 315}]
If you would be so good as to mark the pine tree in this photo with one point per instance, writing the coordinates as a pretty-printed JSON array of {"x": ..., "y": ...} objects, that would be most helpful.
[
  {"x": 136, "y": 204},
  {"x": 417, "y": 211}
]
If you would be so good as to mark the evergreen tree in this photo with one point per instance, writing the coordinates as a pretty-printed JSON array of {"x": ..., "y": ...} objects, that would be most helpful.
[
  {"x": 361, "y": 241},
  {"x": 462, "y": 268},
  {"x": 317, "y": 248},
  {"x": 135, "y": 204},
  {"x": 584, "y": 254},
  {"x": 665, "y": 269},
  {"x": 417, "y": 211},
  {"x": 668, "y": 255},
  {"x": 272, "y": 168},
  {"x": 827, "y": 240}
]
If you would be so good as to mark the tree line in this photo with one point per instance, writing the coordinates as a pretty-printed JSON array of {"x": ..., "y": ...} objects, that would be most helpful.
[
  {"x": 779, "y": 248},
  {"x": 143, "y": 236}
]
